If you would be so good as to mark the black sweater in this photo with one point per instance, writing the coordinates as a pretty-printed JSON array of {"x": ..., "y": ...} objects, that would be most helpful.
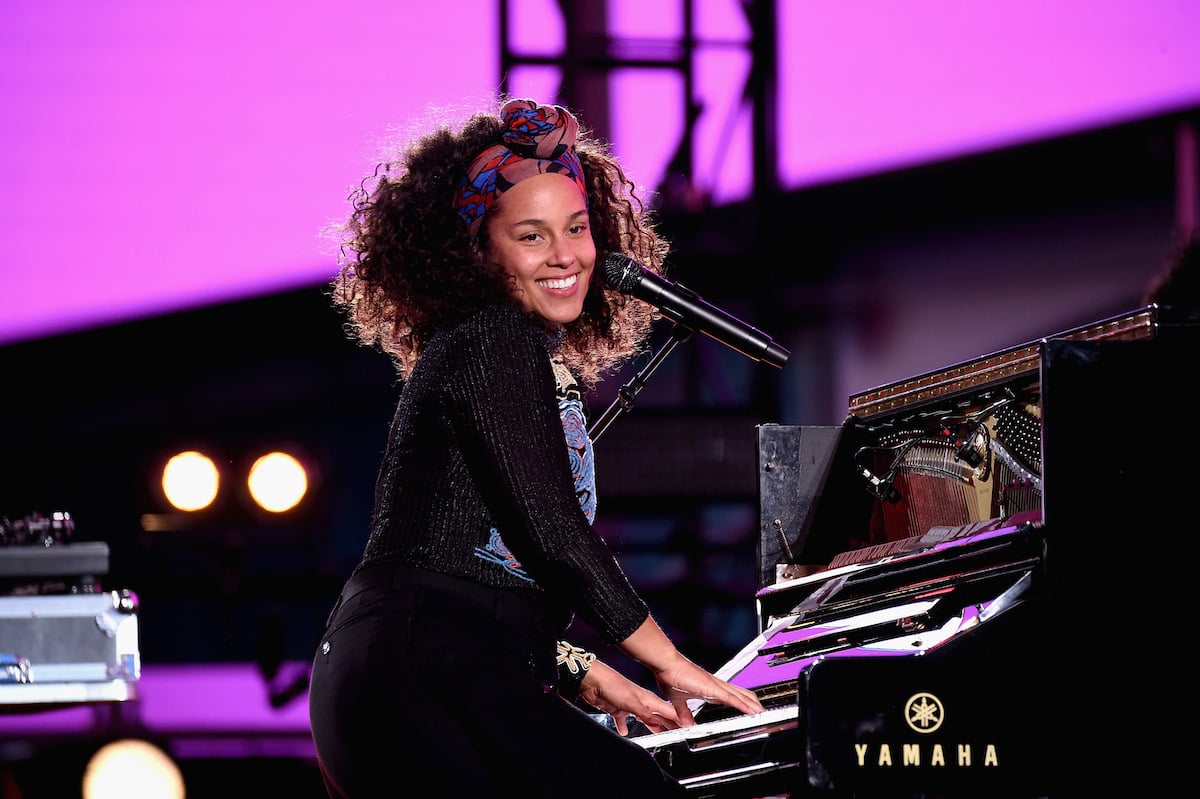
[{"x": 477, "y": 480}]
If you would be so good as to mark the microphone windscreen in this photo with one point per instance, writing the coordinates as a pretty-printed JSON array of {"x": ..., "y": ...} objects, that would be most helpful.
[{"x": 621, "y": 272}]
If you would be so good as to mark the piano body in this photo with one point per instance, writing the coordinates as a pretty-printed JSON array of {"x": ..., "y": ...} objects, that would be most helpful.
[{"x": 910, "y": 645}]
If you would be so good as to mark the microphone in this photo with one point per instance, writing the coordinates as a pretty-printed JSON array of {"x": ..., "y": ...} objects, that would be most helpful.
[{"x": 680, "y": 304}]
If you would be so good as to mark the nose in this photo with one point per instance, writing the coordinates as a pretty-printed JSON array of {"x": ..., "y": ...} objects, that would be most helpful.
[{"x": 562, "y": 253}]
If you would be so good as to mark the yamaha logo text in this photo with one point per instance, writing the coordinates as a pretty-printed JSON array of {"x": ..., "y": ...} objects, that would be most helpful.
[{"x": 924, "y": 714}]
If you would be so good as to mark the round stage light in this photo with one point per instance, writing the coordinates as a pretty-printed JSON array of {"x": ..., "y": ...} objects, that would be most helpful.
[
  {"x": 277, "y": 482},
  {"x": 132, "y": 769},
  {"x": 190, "y": 481}
]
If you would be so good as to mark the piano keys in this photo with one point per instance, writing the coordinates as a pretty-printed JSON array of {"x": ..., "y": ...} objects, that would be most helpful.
[{"x": 745, "y": 752}]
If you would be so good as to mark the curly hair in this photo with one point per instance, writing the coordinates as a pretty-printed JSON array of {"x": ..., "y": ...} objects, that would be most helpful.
[{"x": 407, "y": 264}]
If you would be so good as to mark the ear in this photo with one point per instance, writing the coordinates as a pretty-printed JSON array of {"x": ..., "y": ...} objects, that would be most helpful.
[{"x": 477, "y": 253}]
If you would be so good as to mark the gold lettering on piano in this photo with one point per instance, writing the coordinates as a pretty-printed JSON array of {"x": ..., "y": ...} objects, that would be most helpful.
[
  {"x": 989, "y": 756},
  {"x": 912, "y": 755},
  {"x": 924, "y": 714}
]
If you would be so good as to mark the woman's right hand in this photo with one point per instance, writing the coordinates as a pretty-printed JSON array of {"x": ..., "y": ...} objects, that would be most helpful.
[{"x": 684, "y": 680}]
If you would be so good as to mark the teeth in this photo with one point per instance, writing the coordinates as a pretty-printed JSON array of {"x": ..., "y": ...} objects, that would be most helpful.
[{"x": 559, "y": 282}]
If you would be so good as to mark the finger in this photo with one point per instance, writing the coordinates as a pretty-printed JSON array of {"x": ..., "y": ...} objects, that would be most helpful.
[
  {"x": 682, "y": 710},
  {"x": 658, "y": 723},
  {"x": 745, "y": 700},
  {"x": 664, "y": 718},
  {"x": 751, "y": 698},
  {"x": 736, "y": 696}
]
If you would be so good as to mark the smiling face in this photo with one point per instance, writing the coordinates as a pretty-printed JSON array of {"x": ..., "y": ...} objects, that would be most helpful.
[{"x": 538, "y": 231}]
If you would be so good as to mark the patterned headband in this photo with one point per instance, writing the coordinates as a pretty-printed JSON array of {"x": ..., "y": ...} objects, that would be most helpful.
[{"x": 537, "y": 139}]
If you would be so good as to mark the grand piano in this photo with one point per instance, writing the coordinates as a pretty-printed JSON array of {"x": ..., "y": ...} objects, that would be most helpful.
[{"x": 943, "y": 577}]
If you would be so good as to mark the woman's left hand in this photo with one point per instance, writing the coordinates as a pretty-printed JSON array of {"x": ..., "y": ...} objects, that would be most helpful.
[{"x": 611, "y": 692}]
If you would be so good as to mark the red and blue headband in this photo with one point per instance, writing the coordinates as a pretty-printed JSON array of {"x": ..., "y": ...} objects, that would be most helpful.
[{"x": 537, "y": 139}]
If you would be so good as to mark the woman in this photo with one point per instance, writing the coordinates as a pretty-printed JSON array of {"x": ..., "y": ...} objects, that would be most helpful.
[{"x": 471, "y": 261}]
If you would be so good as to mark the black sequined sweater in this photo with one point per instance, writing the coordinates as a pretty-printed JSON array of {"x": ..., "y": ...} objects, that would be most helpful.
[{"x": 477, "y": 481}]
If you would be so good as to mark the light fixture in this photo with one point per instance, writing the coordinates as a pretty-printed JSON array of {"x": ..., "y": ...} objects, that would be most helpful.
[
  {"x": 190, "y": 481},
  {"x": 132, "y": 769},
  {"x": 277, "y": 482}
]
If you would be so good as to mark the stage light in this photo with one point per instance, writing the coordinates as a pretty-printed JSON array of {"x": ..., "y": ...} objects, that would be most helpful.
[
  {"x": 190, "y": 481},
  {"x": 277, "y": 482},
  {"x": 132, "y": 769}
]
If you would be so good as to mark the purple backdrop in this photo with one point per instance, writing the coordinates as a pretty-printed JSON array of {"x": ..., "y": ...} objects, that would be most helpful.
[{"x": 158, "y": 156}]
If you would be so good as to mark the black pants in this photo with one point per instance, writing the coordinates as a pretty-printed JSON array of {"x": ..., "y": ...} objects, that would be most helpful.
[{"x": 423, "y": 682}]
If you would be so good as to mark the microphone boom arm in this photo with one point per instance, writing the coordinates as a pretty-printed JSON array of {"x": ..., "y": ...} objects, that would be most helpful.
[{"x": 628, "y": 392}]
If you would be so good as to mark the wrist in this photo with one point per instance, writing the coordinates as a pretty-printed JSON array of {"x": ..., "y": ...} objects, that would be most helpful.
[{"x": 573, "y": 663}]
